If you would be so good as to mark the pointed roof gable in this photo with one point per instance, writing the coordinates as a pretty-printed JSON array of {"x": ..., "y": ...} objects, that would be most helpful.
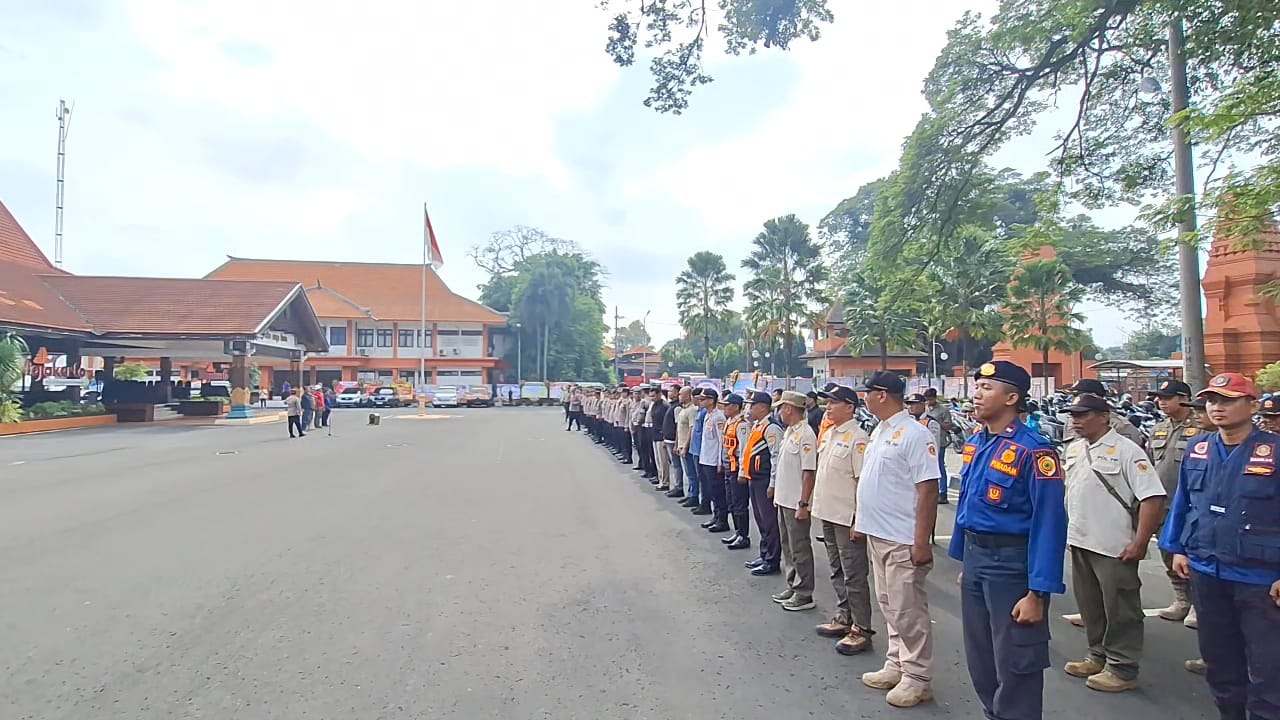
[
  {"x": 17, "y": 247},
  {"x": 386, "y": 291}
]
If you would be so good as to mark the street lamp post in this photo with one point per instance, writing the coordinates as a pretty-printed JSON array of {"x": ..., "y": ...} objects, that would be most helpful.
[
  {"x": 519, "y": 352},
  {"x": 933, "y": 352},
  {"x": 644, "y": 358}
]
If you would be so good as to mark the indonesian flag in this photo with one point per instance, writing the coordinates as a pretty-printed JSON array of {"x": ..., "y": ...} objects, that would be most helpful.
[{"x": 430, "y": 247}]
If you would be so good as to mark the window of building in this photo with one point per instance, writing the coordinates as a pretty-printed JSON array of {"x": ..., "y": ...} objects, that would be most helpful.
[
  {"x": 364, "y": 337},
  {"x": 407, "y": 338},
  {"x": 338, "y": 336},
  {"x": 428, "y": 342},
  {"x": 473, "y": 333},
  {"x": 384, "y": 338}
]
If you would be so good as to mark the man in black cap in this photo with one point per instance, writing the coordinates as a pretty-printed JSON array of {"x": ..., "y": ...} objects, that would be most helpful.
[
  {"x": 737, "y": 493},
  {"x": 1269, "y": 411},
  {"x": 1168, "y": 446},
  {"x": 942, "y": 413},
  {"x": 1089, "y": 386},
  {"x": 759, "y": 465},
  {"x": 1011, "y": 534}
]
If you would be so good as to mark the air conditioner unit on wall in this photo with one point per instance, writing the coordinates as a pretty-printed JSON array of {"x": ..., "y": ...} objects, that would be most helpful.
[
  {"x": 362, "y": 353},
  {"x": 456, "y": 351},
  {"x": 443, "y": 352}
]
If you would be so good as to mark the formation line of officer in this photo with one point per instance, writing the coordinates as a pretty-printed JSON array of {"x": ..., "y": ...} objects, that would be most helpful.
[{"x": 1022, "y": 511}]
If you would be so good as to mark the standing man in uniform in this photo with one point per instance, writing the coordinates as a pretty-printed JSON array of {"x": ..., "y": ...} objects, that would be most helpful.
[
  {"x": 792, "y": 495},
  {"x": 684, "y": 436},
  {"x": 693, "y": 476},
  {"x": 759, "y": 464},
  {"x": 1269, "y": 411},
  {"x": 897, "y": 509},
  {"x": 658, "y": 449},
  {"x": 1089, "y": 386},
  {"x": 1168, "y": 446},
  {"x": 1224, "y": 532},
  {"x": 941, "y": 413},
  {"x": 737, "y": 494},
  {"x": 670, "y": 438},
  {"x": 917, "y": 405},
  {"x": 1115, "y": 503},
  {"x": 1011, "y": 534},
  {"x": 835, "y": 501},
  {"x": 710, "y": 464},
  {"x": 813, "y": 411}
]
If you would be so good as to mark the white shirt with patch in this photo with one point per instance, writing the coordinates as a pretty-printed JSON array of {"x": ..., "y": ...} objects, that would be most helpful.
[
  {"x": 900, "y": 455},
  {"x": 1096, "y": 521},
  {"x": 799, "y": 452}
]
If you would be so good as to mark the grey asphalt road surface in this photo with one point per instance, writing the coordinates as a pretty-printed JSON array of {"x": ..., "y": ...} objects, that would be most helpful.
[{"x": 481, "y": 565}]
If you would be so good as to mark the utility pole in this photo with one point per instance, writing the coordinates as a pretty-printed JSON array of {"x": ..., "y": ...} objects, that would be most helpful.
[
  {"x": 1184, "y": 186},
  {"x": 616, "y": 350},
  {"x": 64, "y": 125}
]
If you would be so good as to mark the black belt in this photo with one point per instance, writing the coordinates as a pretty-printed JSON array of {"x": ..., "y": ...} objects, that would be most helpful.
[{"x": 992, "y": 540}]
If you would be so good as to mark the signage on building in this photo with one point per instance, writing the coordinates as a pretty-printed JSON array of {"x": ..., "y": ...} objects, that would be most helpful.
[
  {"x": 42, "y": 366},
  {"x": 277, "y": 339}
]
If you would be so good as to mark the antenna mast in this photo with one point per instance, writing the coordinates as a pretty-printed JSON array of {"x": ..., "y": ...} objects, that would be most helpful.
[{"x": 64, "y": 124}]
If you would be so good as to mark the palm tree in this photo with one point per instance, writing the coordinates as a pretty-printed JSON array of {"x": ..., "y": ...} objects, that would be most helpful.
[
  {"x": 883, "y": 313},
  {"x": 544, "y": 297},
  {"x": 13, "y": 366},
  {"x": 1040, "y": 310},
  {"x": 703, "y": 294},
  {"x": 787, "y": 270},
  {"x": 972, "y": 279}
]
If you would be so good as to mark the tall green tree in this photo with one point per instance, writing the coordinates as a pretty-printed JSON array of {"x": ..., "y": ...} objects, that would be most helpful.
[
  {"x": 633, "y": 334},
  {"x": 971, "y": 282},
  {"x": 1040, "y": 311},
  {"x": 680, "y": 29},
  {"x": 787, "y": 270},
  {"x": 703, "y": 293},
  {"x": 1153, "y": 340},
  {"x": 884, "y": 313}
]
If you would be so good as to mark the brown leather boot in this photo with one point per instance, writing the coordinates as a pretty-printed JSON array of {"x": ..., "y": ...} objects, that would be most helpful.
[{"x": 834, "y": 628}]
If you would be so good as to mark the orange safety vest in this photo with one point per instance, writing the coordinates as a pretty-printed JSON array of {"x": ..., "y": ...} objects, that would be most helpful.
[
  {"x": 731, "y": 441},
  {"x": 825, "y": 425},
  {"x": 759, "y": 463}
]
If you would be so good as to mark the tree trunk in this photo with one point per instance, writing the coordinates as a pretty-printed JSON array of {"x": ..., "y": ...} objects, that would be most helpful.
[
  {"x": 786, "y": 354},
  {"x": 1044, "y": 391},
  {"x": 546, "y": 347}
]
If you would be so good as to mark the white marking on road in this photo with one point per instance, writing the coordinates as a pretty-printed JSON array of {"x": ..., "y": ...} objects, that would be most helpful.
[{"x": 18, "y": 462}]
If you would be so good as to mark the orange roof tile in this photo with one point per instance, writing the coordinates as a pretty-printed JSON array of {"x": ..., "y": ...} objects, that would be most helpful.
[
  {"x": 176, "y": 306},
  {"x": 17, "y": 247},
  {"x": 389, "y": 291},
  {"x": 26, "y": 301},
  {"x": 330, "y": 304}
]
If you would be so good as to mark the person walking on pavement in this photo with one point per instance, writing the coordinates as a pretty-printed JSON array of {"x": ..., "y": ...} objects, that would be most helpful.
[
  {"x": 897, "y": 508},
  {"x": 710, "y": 464},
  {"x": 737, "y": 493},
  {"x": 1115, "y": 502},
  {"x": 842, "y": 448},
  {"x": 759, "y": 464},
  {"x": 1011, "y": 534},
  {"x": 1222, "y": 530},
  {"x": 792, "y": 495},
  {"x": 1168, "y": 446},
  {"x": 293, "y": 409}
]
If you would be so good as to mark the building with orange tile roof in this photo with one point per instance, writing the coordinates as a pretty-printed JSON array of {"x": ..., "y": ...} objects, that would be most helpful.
[{"x": 372, "y": 314}]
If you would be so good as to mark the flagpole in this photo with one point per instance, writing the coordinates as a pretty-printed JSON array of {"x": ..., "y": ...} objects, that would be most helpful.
[{"x": 422, "y": 337}]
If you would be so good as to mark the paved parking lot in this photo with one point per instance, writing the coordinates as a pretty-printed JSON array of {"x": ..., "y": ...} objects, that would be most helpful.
[{"x": 481, "y": 564}]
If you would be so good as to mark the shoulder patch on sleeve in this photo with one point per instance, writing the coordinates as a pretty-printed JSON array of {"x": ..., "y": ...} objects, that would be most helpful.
[{"x": 1047, "y": 466}]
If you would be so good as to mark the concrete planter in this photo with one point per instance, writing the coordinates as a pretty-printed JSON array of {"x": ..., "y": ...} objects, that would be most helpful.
[
  {"x": 67, "y": 423},
  {"x": 199, "y": 408}
]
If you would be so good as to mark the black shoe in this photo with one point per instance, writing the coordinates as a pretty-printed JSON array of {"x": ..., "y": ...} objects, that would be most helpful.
[
  {"x": 943, "y": 500},
  {"x": 673, "y": 493},
  {"x": 740, "y": 543},
  {"x": 699, "y": 510},
  {"x": 754, "y": 563},
  {"x": 719, "y": 527},
  {"x": 650, "y": 476},
  {"x": 766, "y": 569},
  {"x": 819, "y": 538},
  {"x": 689, "y": 502},
  {"x": 652, "y": 480},
  {"x": 731, "y": 539},
  {"x": 708, "y": 523}
]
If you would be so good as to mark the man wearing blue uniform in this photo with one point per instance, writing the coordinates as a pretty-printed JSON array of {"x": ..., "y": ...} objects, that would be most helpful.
[
  {"x": 1011, "y": 534},
  {"x": 1224, "y": 533}
]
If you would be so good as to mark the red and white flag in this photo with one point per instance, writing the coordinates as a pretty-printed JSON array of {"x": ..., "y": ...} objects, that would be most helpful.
[{"x": 431, "y": 248}]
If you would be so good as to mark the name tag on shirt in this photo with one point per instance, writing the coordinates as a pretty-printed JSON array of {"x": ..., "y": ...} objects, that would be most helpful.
[{"x": 1218, "y": 509}]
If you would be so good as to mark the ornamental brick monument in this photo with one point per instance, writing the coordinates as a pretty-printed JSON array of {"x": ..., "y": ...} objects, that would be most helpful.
[{"x": 1241, "y": 328}]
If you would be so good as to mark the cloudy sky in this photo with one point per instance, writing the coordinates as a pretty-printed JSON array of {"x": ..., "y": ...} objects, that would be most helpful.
[{"x": 242, "y": 127}]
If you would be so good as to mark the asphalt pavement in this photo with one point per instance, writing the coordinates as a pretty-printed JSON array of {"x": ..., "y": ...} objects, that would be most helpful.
[{"x": 474, "y": 564}]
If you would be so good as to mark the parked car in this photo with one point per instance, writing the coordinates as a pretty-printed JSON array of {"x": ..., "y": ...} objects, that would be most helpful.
[
  {"x": 351, "y": 397},
  {"x": 446, "y": 396},
  {"x": 478, "y": 396},
  {"x": 385, "y": 397}
]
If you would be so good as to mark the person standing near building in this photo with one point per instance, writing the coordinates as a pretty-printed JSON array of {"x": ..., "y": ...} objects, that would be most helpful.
[
  {"x": 1222, "y": 530},
  {"x": 736, "y": 491},
  {"x": 842, "y": 448},
  {"x": 293, "y": 409},
  {"x": 1168, "y": 445},
  {"x": 1115, "y": 502},
  {"x": 1011, "y": 534},
  {"x": 308, "y": 407},
  {"x": 759, "y": 465},
  {"x": 792, "y": 496},
  {"x": 897, "y": 508},
  {"x": 941, "y": 413},
  {"x": 710, "y": 464}
]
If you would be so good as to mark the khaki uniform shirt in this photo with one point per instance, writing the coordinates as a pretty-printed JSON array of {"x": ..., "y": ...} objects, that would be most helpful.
[
  {"x": 835, "y": 494},
  {"x": 799, "y": 452},
  {"x": 1168, "y": 445},
  {"x": 1096, "y": 521},
  {"x": 1119, "y": 424}
]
